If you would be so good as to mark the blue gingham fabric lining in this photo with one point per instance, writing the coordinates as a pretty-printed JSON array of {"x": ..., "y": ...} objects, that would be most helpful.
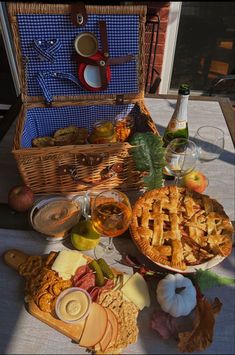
[
  {"x": 123, "y": 38},
  {"x": 41, "y": 121}
]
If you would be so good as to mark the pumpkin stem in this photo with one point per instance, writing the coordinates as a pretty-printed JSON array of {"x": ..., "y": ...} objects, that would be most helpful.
[{"x": 179, "y": 289}]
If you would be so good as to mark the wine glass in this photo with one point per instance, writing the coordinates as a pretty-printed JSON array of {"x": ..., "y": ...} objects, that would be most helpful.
[
  {"x": 111, "y": 216},
  {"x": 210, "y": 142},
  {"x": 181, "y": 155}
]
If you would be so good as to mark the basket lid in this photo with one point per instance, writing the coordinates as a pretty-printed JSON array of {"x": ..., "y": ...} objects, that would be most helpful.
[{"x": 59, "y": 61}]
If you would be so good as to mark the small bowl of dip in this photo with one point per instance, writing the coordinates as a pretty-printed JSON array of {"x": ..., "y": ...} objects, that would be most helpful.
[
  {"x": 54, "y": 217},
  {"x": 73, "y": 305}
]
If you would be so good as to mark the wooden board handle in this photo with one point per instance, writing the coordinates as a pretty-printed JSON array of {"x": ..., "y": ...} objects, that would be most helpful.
[{"x": 14, "y": 258}]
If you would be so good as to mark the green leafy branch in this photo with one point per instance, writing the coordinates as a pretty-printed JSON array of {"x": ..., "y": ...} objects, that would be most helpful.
[
  {"x": 208, "y": 279},
  {"x": 148, "y": 154}
]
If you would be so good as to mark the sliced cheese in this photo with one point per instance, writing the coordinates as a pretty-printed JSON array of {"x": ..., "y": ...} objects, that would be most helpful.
[
  {"x": 113, "y": 320},
  {"x": 95, "y": 326},
  {"x": 105, "y": 341},
  {"x": 67, "y": 263},
  {"x": 136, "y": 290},
  {"x": 126, "y": 277},
  {"x": 108, "y": 341},
  {"x": 64, "y": 275}
]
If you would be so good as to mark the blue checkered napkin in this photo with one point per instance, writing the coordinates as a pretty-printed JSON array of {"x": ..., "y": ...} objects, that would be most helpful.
[
  {"x": 43, "y": 121},
  {"x": 123, "y": 38}
]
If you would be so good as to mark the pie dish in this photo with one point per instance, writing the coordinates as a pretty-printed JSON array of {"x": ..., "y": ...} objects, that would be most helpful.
[{"x": 181, "y": 230}]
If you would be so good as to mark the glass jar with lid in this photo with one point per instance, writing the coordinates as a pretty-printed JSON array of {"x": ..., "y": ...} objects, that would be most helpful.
[
  {"x": 123, "y": 127},
  {"x": 103, "y": 132}
]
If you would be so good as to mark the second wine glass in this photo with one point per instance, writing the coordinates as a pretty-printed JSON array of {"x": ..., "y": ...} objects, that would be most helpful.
[
  {"x": 210, "y": 142},
  {"x": 181, "y": 156},
  {"x": 111, "y": 216}
]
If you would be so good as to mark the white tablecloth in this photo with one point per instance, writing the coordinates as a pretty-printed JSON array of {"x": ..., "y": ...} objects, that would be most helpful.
[{"x": 20, "y": 333}]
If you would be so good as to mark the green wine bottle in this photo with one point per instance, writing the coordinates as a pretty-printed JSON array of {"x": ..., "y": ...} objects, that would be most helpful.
[{"x": 178, "y": 124}]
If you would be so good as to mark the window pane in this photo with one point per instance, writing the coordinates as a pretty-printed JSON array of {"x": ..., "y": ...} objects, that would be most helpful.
[{"x": 205, "y": 44}]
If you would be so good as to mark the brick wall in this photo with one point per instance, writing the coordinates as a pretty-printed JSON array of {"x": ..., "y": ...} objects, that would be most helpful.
[{"x": 162, "y": 9}]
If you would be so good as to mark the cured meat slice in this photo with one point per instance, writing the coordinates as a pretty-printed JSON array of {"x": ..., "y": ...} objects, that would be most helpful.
[
  {"x": 94, "y": 293},
  {"x": 81, "y": 271},
  {"x": 107, "y": 286},
  {"x": 86, "y": 282}
]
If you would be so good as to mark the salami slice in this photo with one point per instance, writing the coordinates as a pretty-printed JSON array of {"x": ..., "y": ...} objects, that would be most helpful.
[
  {"x": 94, "y": 293},
  {"x": 80, "y": 272},
  {"x": 109, "y": 284},
  {"x": 87, "y": 281}
]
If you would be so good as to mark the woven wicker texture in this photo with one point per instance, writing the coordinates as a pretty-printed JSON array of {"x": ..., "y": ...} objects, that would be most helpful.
[{"x": 73, "y": 168}]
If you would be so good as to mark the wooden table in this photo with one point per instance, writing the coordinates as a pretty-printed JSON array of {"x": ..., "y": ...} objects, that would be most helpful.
[{"x": 21, "y": 333}]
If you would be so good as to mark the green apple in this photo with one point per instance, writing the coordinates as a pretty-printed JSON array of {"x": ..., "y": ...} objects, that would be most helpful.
[{"x": 84, "y": 236}]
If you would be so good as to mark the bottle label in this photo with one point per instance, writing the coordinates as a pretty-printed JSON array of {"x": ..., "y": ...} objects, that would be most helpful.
[{"x": 175, "y": 124}]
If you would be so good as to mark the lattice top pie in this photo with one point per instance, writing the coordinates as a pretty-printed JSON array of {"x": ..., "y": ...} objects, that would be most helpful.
[{"x": 177, "y": 227}]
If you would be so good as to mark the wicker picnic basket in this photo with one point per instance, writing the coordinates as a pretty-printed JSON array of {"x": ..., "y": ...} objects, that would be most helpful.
[{"x": 53, "y": 98}]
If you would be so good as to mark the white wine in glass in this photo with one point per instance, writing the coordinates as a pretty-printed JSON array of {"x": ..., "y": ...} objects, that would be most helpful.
[
  {"x": 181, "y": 156},
  {"x": 111, "y": 216}
]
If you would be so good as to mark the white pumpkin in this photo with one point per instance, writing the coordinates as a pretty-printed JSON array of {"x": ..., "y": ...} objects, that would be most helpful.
[{"x": 176, "y": 295}]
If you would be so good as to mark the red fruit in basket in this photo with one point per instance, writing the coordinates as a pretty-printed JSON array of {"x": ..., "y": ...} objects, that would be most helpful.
[{"x": 20, "y": 198}]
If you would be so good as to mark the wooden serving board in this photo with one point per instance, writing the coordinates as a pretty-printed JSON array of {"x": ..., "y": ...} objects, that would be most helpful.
[
  {"x": 14, "y": 258},
  {"x": 73, "y": 331}
]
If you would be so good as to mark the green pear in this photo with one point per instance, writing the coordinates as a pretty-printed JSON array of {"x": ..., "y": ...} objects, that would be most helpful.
[{"x": 84, "y": 236}]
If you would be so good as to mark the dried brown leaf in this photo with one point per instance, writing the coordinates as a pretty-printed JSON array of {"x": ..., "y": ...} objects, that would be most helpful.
[{"x": 202, "y": 334}]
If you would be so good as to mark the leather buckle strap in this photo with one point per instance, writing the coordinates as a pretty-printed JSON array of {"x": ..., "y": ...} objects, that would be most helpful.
[
  {"x": 104, "y": 38},
  {"x": 80, "y": 59},
  {"x": 106, "y": 174},
  {"x": 78, "y": 14},
  {"x": 105, "y": 51},
  {"x": 120, "y": 60}
]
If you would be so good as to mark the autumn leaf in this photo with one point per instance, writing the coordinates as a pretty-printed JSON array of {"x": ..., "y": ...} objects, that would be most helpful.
[
  {"x": 168, "y": 326},
  {"x": 202, "y": 334}
]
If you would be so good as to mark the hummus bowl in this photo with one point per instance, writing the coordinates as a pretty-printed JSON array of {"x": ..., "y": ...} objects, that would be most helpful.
[
  {"x": 73, "y": 305},
  {"x": 54, "y": 217}
]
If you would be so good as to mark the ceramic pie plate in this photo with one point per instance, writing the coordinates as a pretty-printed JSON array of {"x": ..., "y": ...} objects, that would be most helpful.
[
  {"x": 190, "y": 269},
  {"x": 217, "y": 259}
]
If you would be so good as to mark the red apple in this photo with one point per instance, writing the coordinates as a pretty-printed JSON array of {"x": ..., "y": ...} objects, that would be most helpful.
[
  {"x": 20, "y": 198},
  {"x": 195, "y": 181}
]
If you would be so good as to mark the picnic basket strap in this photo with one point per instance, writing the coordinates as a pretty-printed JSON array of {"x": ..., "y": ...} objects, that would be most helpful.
[
  {"x": 78, "y": 14},
  {"x": 104, "y": 38}
]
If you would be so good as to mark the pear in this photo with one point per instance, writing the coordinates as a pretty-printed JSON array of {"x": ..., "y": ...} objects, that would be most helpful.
[{"x": 84, "y": 236}]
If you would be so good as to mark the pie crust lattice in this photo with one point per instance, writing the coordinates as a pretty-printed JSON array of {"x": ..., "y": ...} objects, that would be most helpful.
[{"x": 177, "y": 227}]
